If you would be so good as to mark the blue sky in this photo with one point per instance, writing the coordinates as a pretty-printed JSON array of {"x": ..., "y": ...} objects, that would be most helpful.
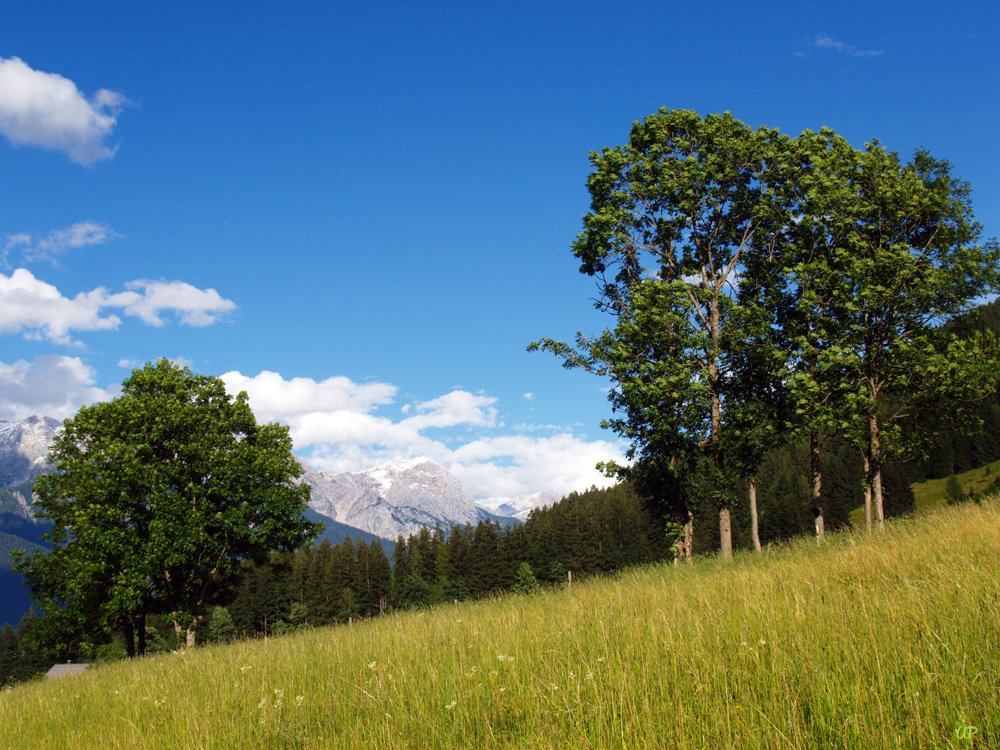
[{"x": 362, "y": 213}]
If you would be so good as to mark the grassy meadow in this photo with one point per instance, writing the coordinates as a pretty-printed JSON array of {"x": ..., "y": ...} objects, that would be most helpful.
[{"x": 867, "y": 641}]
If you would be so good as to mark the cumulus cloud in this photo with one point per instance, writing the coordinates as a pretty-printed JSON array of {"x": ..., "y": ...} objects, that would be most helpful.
[
  {"x": 508, "y": 466},
  {"x": 52, "y": 385},
  {"x": 48, "y": 110},
  {"x": 335, "y": 426},
  {"x": 825, "y": 42},
  {"x": 58, "y": 241},
  {"x": 455, "y": 408},
  {"x": 38, "y": 309},
  {"x": 193, "y": 306}
]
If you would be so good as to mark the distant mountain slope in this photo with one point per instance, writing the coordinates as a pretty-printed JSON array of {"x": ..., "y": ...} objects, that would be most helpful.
[
  {"x": 521, "y": 507},
  {"x": 397, "y": 498},
  {"x": 24, "y": 447},
  {"x": 336, "y": 532},
  {"x": 14, "y": 598}
]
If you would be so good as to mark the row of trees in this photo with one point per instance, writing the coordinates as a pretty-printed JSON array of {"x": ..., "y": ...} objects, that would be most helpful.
[
  {"x": 767, "y": 289},
  {"x": 598, "y": 531}
]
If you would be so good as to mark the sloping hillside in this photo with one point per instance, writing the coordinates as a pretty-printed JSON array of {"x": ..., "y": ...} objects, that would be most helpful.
[{"x": 867, "y": 641}]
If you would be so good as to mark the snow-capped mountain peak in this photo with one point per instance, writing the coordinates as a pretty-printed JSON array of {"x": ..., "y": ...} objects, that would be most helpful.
[
  {"x": 393, "y": 499},
  {"x": 24, "y": 448}
]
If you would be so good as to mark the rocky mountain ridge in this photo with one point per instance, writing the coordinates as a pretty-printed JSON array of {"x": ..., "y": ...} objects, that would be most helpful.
[
  {"x": 388, "y": 500},
  {"x": 24, "y": 448},
  {"x": 521, "y": 507},
  {"x": 393, "y": 499}
]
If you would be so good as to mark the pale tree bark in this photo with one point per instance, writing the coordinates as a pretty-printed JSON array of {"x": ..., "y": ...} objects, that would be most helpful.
[
  {"x": 875, "y": 465},
  {"x": 190, "y": 634},
  {"x": 874, "y": 507},
  {"x": 868, "y": 495},
  {"x": 683, "y": 546},
  {"x": 754, "y": 526},
  {"x": 726, "y": 531}
]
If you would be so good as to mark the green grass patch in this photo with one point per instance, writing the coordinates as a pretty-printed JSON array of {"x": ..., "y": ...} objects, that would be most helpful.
[
  {"x": 930, "y": 493},
  {"x": 866, "y": 641}
]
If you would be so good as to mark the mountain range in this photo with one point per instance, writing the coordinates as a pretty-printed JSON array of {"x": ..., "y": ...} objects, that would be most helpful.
[
  {"x": 387, "y": 501},
  {"x": 397, "y": 498}
]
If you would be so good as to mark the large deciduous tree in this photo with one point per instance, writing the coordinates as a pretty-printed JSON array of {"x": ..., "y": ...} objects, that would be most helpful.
[
  {"x": 675, "y": 214},
  {"x": 157, "y": 498},
  {"x": 881, "y": 253}
]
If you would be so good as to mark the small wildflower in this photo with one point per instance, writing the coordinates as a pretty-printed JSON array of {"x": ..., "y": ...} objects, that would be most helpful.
[
  {"x": 244, "y": 669},
  {"x": 373, "y": 665},
  {"x": 299, "y": 699},
  {"x": 451, "y": 705}
]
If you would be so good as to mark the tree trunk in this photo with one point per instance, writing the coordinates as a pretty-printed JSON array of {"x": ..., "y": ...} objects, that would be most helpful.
[
  {"x": 875, "y": 470},
  {"x": 189, "y": 634},
  {"x": 868, "y": 493},
  {"x": 753, "y": 515},
  {"x": 877, "y": 495},
  {"x": 726, "y": 531},
  {"x": 817, "y": 491},
  {"x": 689, "y": 536},
  {"x": 129, "y": 638}
]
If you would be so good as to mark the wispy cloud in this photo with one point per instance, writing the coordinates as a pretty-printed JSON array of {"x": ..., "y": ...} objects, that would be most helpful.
[
  {"x": 58, "y": 241},
  {"x": 825, "y": 42},
  {"x": 48, "y": 110}
]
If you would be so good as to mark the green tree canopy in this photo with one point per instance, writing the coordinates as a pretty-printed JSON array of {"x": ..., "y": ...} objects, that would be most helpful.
[
  {"x": 157, "y": 498},
  {"x": 675, "y": 215}
]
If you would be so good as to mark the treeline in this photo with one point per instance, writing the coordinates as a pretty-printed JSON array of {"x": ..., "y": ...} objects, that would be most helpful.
[
  {"x": 20, "y": 658},
  {"x": 958, "y": 448},
  {"x": 598, "y": 531}
]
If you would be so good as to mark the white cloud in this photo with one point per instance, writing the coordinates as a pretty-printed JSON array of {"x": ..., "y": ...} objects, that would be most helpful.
[
  {"x": 514, "y": 465},
  {"x": 195, "y": 307},
  {"x": 335, "y": 427},
  {"x": 53, "y": 386},
  {"x": 278, "y": 399},
  {"x": 825, "y": 42},
  {"x": 40, "y": 311},
  {"x": 48, "y": 110},
  {"x": 455, "y": 408},
  {"x": 58, "y": 241},
  {"x": 37, "y": 308}
]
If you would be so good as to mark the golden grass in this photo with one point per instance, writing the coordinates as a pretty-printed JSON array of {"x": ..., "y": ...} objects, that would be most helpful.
[{"x": 867, "y": 641}]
